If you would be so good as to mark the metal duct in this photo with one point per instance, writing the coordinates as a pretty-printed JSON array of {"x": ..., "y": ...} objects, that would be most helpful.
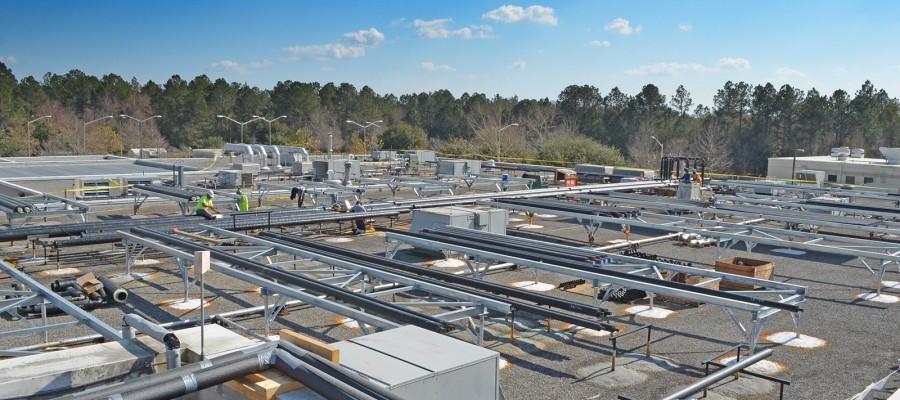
[
  {"x": 263, "y": 156},
  {"x": 276, "y": 155},
  {"x": 239, "y": 148},
  {"x": 294, "y": 150}
]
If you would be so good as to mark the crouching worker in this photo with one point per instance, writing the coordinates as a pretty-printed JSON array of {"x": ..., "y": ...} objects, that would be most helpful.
[
  {"x": 205, "y": 206},
  {"x": 360, "y": 223},
  {"x": 243, "y": 203}
]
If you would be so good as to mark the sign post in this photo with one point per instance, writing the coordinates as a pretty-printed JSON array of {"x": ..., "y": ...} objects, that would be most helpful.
[{"x": 201, "y": 265}]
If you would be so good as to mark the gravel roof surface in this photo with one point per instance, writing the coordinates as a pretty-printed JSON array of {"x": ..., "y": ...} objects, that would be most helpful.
[{"x": 862, "y": 344}]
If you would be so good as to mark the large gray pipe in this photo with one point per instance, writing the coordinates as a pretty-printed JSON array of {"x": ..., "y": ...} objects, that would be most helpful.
[
  {"x": 113, "y": 292},
  {"x": 173, "y": 345},
  {"x": 330, "y": 147},
  {"x": 723, "y": 373},
  {"x": 344, "y": 375}
]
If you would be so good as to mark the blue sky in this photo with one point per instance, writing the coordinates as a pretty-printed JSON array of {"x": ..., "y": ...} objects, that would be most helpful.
[{"x": 531, "y": 49}]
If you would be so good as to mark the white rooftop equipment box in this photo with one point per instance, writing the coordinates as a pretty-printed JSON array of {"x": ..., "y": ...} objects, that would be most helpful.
[
  {"x": 419, "y": 364},
  {"x": 487, "y": 219}
]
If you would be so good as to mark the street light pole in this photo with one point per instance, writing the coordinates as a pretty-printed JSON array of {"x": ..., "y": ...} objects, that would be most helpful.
[
  {"x": 242, "y": 124},
  {"x": 794, "y": 164},
  {"x": 28, "y": 133},
  {"x": 368, "y": 124},
  {"x": 270, "y": 121},
  {"x": 84, "y": 133},
  {"x": 501, "y": 130},
  {"x": 140, "y": 131},
  {"x": 662, "y": 151}
]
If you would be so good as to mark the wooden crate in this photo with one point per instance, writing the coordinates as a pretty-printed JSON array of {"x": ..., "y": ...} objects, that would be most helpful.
[
  {"x": 694, "y": 280},
  {"x": 753, "y": 268},
  {"x": 263, "y": 385}
]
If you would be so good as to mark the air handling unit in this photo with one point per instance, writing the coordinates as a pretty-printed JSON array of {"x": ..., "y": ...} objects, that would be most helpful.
[{"x": 486, "y": 219}]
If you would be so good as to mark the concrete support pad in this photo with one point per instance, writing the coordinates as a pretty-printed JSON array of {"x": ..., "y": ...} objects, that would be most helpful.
[
  {"x": 82, "y": 366},
  {"x": 631, "y": 369},
  {"x": 219, "y": 340}
]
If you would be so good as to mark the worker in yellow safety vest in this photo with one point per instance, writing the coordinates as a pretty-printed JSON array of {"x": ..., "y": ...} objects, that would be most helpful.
[
  {"x": 243, "y": 203},
  {"x": 205, "y": 206}
]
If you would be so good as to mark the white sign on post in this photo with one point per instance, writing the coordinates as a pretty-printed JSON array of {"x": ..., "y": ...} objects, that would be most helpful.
[{"x": 201, "y": 263}]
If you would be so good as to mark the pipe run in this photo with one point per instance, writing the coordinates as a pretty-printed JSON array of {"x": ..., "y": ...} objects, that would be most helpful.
[
  {"x": 173, "y": 345},
  {"x": 696, "y": 387}
]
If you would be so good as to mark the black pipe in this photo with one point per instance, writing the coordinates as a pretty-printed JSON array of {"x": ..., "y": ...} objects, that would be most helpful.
[
  {"x": 347, "y": 376},
  {"x": 371, "y": 305},
  {"x": 318, "y": 381},
  {"x": 390, "y": 265},
  {"x": 155, "y": 380},
  {"x": 113, "y": 291},
  {"x": 60, "y": 285},
  {"x": 483, "y": 246}
]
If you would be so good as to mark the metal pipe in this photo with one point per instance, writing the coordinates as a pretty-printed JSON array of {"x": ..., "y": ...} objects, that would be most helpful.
[
  {"x": 324, "y": 384},
  {"x": 173, "y": 357},
  {"x": 696, "y": 387},
  {"x": 392, "y": 265},
  {"x": 345, "y": 375},
  {"x": 360, "y": 300},
  {"x": 113, "y": 291}
]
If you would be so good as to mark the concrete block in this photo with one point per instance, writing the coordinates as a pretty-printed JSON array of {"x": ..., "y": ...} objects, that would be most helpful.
[
  {"x": 219, "y": 341},
  {"x": 82, "y": 366}
]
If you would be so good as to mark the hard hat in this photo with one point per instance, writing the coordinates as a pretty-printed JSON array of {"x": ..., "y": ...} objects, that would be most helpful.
[{"x": 211, "y": 194}]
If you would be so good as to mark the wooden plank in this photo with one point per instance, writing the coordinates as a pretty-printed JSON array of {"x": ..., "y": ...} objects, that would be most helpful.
[
  {"x": 311, "y": 345},
  {"x": 263, "y": 385}
]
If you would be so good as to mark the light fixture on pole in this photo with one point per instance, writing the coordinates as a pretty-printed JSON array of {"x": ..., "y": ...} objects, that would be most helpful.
[
  {"x": 140, "y": 131},
  {"x": 84, "y": 132},
  {"x": 270, "y": 121},
  {"x": 794, "y": 164},
  {"x": 242, "y": 124},
  {"x": 28, "y": 133},
  {"x": 501, "y": 130},
  {"x": 661, "y": 148},
  {"x": 368, "y": 124}
]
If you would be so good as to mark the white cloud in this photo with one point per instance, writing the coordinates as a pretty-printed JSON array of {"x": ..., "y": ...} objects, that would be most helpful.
[
  {"x": 8, "y": 59},
  {"x": 685, "y": 27},
  {"x": 842, "y": 70},
  {"x": 512, "y": 14},
  {"x": 323, "y": 52},
  {"x": 439, "y": 29},
  {"x": 666, "y": 69},
  {"x": 368, "y": 37},
  {"x": 622, "y": 26},
  {"x": 261, "y": 64},
  {"x": 228, "y": 65},
  {"x": 398, "y": 21},
  {"x": 733, "y": 63},
  {"x": 471, "y": 77},
  {"x": 518, "y": 64},
  {"x": 355, "y": 47},
  {"x": 430, "y": 66},
  {"x": 598, "y": 43},
  {"x": 786, "y": 72}
]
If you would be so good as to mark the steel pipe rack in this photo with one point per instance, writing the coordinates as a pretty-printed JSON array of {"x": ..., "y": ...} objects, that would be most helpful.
[
  {"x": 184, "y": 198},
  {"x": 328, "y": 254},
  {"x": 43, "y": 296},
  {"x": 315, "y": 192},
  {"x": 808, "y": 190},
  {"x": 370, "y": 305},
  {"x": 758, "y": 308},
  {"x": 729, "y": 234},
  {"x": 794, "y": 218},
  {"x": 886, "y": 213},
  {"x": 692, "y": 389},
  {"x": 41, "y": 205}
]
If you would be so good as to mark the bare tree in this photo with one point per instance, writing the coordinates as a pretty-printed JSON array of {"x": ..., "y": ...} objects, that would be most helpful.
[
  {"x": 643, "y": 152},
  {"x": 712, "y": 145}
]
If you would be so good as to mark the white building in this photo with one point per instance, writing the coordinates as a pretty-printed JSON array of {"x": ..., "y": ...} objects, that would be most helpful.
[{"x": 843, "y": 166}]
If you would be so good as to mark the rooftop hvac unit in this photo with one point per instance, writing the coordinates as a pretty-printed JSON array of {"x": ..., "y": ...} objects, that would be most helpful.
[
  {"x": 810, "y": 176},
  {"x": 486, "y": 219},
  {"x": 857, "y": 153},
  {"x": 891, "y": 154},
  {"x": 383, "y": 155},
  {"x": 142, "y": 180}
]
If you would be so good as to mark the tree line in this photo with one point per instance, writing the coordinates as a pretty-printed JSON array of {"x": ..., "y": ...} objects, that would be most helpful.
[{"x": 744, "y": 125}]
